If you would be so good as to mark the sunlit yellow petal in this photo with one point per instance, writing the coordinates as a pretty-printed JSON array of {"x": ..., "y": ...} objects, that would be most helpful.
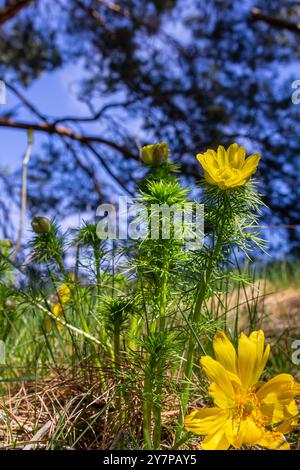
[
  {"x": 219, "y": 397},
  {"x": 64, "y": 293},
  {"x": 217, "y": 441},
  {"x": 280, "y": 388},
  {"x": 217, "y": 373},
  {"x": 225, "y": 352},
  {"x": 247, "y": 412},
  {"x": 274, "y": 441},
  {"x": 57, "y": 309},
  {"x": 289, "y": 419},
  {"x": 210, "y": 179},
  {"x": 252, "y": 432},
  {"x": 282, "y": 416},
  {"x": 250, "y": 165},
  {"x": 222, "y": 157},
  {"x": 246, "y": 360},
  {"x": 262, "y": 355},
  {"x": 206, "y": 421},
  {"x": 228, "y": 169},
  {"x": 232, "y": 150},
  {"x": 239, "y": 158}
]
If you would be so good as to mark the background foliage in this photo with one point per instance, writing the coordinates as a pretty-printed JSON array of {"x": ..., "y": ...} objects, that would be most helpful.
[{"x": 194, "y": 73}]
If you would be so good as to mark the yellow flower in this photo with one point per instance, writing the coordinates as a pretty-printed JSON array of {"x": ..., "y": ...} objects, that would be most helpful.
[
  {"x": 228, "y": 168},
  {"x": 63, "y": 297},
  {"x": 154, "y": 154},
  {"x": 246, "y": 411}
]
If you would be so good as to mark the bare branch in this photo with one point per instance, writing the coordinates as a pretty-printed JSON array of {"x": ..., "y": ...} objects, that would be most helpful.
[
  {"x": 279, "y": 23},
  {"x": 97, "y": 114},
  {"x": 108, "y": 170},
  {"x": 25, "y": 101},
  {"x": 11, "y": 9},
  {"x": 52, "y": 129},
  {"x": 86, "y": 168}
]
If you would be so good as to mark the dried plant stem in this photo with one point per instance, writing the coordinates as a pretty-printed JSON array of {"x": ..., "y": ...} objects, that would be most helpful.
[{"x": 24, "y": 193}]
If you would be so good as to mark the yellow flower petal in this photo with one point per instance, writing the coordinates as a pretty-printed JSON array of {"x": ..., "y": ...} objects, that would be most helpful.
[
  {"x": 245, "y": 431},
  {"x": 232, "y": 151},
  {"x": 282, "y": 416},
  {"x": 217, "y": 373},
  {"x": 57, "y": 309},
  {"x": 239, "y": 158},
  {"x": 210, "y": 179},
  {"x": 290, "y": 416},
  {"x": 262, "y": 355},
  {"x": 252, "y": 432},
  {"x": 274, "y": 440},
  {"x": 246, "y": 360},
  {"x": 217, "y": 441},
  {"x": 222, "y": 157},
  {"x": 250, "y": 165},
  {"x": 281, "y": 388},
  {"x": 228, "y": 168},
  {"x": 225, "y": 352},
  {"x": 219, "y": 397},
  {"x": 247, "y": 412},
  {"x": 64, "y": 293},
  {"x": 206, "y": 421},
  {"x": 251, "y": 357}
]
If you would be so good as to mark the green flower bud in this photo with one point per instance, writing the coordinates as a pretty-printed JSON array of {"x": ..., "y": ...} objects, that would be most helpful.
[
  {"x": 6, "y": 243},
  {"x": 154, "y": 154},
  {"x": 40, "y": 225},
  {"x": 10, "y": 303}
]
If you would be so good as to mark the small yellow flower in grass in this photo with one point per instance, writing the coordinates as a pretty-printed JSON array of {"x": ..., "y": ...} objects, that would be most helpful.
[
  {"x": 63, "y": 297},
  {"x": 246, "y": 411},
  {"x": 229, "y": 168}
]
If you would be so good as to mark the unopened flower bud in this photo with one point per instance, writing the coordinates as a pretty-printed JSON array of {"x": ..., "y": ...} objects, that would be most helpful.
[
  {"x": 154, "y": 154},
  {"x": 40, "y": 225},
  {"x": 6, "y": 243},
  {"x": 10, "y": 303}
]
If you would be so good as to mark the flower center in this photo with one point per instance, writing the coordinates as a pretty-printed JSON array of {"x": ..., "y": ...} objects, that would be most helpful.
[
  {"x": 248, "y": 408},
  {"x": 228, "y": 173},
  {"x": 247, "y": 405}
]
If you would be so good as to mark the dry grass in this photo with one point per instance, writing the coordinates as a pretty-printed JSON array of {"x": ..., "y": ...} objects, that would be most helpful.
[
  {"x": 66, "y": 408},
  {"x": 55, "y": 411}
]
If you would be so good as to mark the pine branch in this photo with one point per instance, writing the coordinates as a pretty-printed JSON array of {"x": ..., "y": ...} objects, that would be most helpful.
[
  {"x": 278, "y": 23},
  {"x": 11, "y": 9},
  {"x": 63, "y": 131}
]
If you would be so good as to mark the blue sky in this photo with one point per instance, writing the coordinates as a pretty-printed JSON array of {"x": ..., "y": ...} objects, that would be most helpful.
[{"x": 50, "y": 93}]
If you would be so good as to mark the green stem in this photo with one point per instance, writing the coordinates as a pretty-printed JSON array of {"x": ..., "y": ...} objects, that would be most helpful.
[
  {"x": 157, "y": 424},
  {"x": 60, "y": 263},
  {"x": 133, "y": 332},
  {"x": 82, "y": 319},
  {"x": 147, "y": 408},
  {"x": 117, "y": 362},
  {"x": 103, "y": 335},
  {"x": 117, "y": 346},
  {"x": 200, "y": 297},
  {"x": 163, "y": 299},
  {"x": 162, "y": 324},
  {"x": 87, "y": 330}
]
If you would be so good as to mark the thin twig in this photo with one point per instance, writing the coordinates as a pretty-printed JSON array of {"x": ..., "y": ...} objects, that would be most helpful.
[
  {"x": 24, "y": 193},
  {"x": 64, "y": 323}
]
